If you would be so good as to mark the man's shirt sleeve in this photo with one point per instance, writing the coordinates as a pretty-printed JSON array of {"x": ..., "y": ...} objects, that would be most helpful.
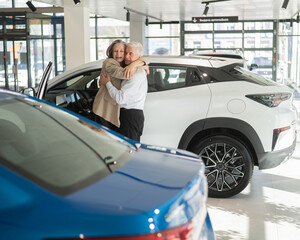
[{"x": 123, "y": 95}]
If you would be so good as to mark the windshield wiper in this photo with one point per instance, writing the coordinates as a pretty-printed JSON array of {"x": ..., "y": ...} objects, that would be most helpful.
[{"x": 109, "y": 161}]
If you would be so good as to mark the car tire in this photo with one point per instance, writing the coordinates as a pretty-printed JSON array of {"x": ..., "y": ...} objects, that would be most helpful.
[{"x": 228, "y": 164}]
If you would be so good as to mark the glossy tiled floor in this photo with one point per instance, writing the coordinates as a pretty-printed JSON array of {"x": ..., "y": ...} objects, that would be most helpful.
[{"x": 268, "y": 209}]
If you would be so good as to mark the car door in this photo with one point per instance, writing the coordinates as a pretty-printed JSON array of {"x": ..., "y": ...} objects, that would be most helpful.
[
  {"x": 74, "y": 90},
  {"x": 177, "y": 97},
  {"x": 44, "y": 81}
]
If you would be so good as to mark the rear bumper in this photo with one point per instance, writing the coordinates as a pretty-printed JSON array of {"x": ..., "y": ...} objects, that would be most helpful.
[{"x": 273, "y": 159}]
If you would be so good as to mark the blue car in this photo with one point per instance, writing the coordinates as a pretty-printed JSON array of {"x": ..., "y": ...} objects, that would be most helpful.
[{"x": 65, "y": 177}]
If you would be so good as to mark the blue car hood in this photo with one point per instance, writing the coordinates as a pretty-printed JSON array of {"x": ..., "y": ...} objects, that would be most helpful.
[
  {"x": 148, "y": 180},
  {"x": 154, "y": 188}
]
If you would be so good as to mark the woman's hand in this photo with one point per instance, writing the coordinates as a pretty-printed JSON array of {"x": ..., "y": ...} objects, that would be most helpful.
[{"x": 104, "y": 78}]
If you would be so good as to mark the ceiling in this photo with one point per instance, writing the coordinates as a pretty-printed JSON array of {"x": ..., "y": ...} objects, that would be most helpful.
[{"x": 184, "y": 10}]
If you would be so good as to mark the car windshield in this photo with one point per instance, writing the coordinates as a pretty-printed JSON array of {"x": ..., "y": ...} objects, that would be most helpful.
[
  {"x": 55, "y": 149},
  {"x": 241, "y": 73}
]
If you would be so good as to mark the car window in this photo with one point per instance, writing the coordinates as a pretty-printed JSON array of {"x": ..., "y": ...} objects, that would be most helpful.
[
  {"x": 55, "y": 149},
  {"x": 262, "y": 61},
  {"x": 87, "y": 80},
  {"x": 196, "y": 76},
  {"x": 240, "y": 73},
  {"x": 162, "y": 78}
]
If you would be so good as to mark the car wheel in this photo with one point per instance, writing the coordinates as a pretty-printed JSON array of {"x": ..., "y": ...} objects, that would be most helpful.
[{"x": 228, "y": 165}]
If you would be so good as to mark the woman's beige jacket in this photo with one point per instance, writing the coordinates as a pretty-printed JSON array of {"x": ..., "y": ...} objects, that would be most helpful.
[{"x": 104, "y": 106}]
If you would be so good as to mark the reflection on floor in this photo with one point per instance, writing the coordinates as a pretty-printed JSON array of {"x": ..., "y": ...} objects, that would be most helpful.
[{"x": 268, "y": 209}]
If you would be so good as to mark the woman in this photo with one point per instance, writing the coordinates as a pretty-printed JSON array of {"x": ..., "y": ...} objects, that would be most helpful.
[{"x": 106, "y": 109}]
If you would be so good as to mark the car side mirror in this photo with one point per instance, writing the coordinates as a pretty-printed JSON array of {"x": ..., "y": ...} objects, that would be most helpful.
[
  {"x": 253, "y": 66},
  {"x": 28, "y": 91}
]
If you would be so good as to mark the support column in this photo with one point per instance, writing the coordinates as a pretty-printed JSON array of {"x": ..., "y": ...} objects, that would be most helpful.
[
  {"x": 137, "y": 30},
  {"x": 77, "y": 33}
]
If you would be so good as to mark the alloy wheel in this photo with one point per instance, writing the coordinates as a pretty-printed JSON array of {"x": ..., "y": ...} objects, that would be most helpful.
[{"x": 225, "y": 166}]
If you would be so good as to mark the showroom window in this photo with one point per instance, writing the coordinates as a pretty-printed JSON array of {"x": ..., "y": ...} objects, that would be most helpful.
[
  {"x": 198, "y": 27},
  {"x": 163, "y": 39},
  {"x": 46, "y": 43},
  {"x": 198, "y": 41},
  {"x": 258, "y": 25},
  {"x": 288, "y": 64},
  {"x": 254, "y": 40},
  {"x": 103, "y": 31},
  {"x": 31, "y": 41},
  {"x": 228, "y": 40},
  {"x": 13, "y": 45},
  {"x": 236, "y": 26},
  {"x": 197, "y": 36}
]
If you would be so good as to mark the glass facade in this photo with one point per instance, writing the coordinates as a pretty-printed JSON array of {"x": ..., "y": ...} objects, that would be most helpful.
[
  {"x": 46, "y": 43},
  {"x": 103, "y": 31},
  {"x": 255, "y": 40},
  {"x": 288, "y": 64},
  {"x": 13, "y": 63},
  {"x": 198, "y": 41},
  {"x": 28, "y": 41},
  {"x": 163, "y": 39},
  {"x": 198, "y": 26}
]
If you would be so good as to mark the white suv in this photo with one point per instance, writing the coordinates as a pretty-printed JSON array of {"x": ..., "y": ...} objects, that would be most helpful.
[{"x": 233, "y": 118}]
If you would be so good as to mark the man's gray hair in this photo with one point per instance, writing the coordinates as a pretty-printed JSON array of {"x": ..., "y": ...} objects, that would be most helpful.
[{"x": 138, "y": 46}]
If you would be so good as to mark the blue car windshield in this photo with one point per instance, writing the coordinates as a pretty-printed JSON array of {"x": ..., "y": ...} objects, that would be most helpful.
[{"x": 55, "y": 149}]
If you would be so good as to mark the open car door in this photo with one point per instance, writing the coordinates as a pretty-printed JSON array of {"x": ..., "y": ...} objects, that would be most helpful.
[{"x": 44, "y": 81}]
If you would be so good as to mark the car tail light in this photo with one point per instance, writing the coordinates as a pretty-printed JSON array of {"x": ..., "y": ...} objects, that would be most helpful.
[
  {"x": 270, "y": 100},
  {"x": 183, "y": 232}
]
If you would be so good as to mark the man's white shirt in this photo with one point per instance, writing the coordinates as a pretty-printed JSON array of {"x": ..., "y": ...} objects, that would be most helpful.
[{"x": 133, "y": 91}]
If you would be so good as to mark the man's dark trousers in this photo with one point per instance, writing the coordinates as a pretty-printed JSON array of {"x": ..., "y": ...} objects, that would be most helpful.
[{"x": 132, "y": 123}]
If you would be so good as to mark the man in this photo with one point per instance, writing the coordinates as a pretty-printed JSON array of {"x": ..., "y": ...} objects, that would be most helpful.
[{"x": 131, "y": 96}]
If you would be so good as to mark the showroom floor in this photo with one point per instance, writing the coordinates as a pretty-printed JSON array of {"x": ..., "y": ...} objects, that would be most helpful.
[{"x": 268, "y": 209}]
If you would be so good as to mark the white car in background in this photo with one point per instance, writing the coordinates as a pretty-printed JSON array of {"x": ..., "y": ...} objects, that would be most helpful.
[
  {"x": 236, "y": 54},
  {"x": 232, "y": 118}
]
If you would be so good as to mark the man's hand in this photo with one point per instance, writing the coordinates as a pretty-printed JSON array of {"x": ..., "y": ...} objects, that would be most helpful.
[
  {"x": 146, "y": 68},
  {"x": 128, "y": 71},
  {"x": 104, "y": 78}
]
